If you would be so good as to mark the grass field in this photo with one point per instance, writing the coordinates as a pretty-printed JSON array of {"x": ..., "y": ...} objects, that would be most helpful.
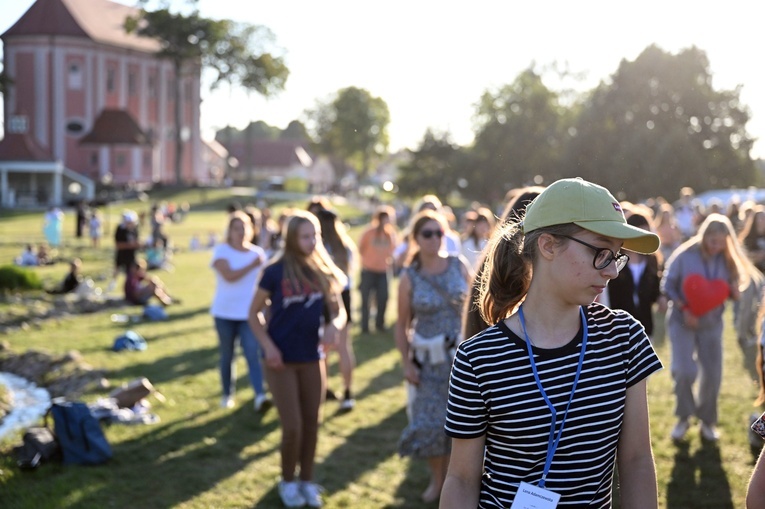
[{"x": 201, "y": 456}]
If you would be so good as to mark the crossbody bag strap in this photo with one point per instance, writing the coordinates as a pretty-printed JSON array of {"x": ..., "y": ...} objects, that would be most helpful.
[{"x": 442, "y": 292}]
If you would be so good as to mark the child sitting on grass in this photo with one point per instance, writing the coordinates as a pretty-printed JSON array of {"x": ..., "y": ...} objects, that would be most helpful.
[
  {"x": 71, "y": 281},
  {"x": 140, "y": 287}
]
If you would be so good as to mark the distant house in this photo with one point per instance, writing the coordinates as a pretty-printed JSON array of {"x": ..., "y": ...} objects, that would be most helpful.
[
  {"x": 90, "y": 103},
  {"x": 262, "y": 161}
]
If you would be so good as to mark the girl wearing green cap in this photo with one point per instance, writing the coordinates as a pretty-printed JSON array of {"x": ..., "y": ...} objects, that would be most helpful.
[{"x": 540, "y": 402}]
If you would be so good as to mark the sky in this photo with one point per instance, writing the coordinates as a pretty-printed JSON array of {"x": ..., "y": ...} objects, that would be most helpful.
[{"x": 431, "y": 61}]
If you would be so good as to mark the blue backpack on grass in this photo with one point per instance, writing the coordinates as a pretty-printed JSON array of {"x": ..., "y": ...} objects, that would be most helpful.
[
  {"x": 79, "y": 434},
  {"x": 130, "y": 340}
]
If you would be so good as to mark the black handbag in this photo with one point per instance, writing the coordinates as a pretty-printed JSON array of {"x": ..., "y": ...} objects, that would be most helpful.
[{"x": 38, "y": 445}]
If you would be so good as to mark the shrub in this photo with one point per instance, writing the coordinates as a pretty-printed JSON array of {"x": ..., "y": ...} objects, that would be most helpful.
[{"x": 18, "y": 278}]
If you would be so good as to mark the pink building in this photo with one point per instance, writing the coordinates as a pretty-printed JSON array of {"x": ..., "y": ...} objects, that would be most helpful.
[{"x": 89, "y": 103}]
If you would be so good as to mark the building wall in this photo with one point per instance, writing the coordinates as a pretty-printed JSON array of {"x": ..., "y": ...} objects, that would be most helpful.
[{"x": 62, "y": 83}]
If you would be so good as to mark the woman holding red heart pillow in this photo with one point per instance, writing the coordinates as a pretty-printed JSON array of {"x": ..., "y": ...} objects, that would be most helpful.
[{"x": 701, "y": 275}]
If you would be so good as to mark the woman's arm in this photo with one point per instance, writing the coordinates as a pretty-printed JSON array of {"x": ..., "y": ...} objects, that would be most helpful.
[
  {"x": 401, "y": 331},
  {"x": 637, "y": 471},
  {"x": 273, "y": 356},
  {"x": 462, "y": 486},
  {"x": 231, "y": 275},
  {"x": 338, "y": 320}
]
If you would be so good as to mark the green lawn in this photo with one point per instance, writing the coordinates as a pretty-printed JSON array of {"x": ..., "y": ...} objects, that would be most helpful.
[{"x": 201, "y": 456}]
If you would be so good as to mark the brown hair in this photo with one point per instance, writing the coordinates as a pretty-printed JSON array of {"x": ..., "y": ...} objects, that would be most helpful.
[
  {"x": 316, "y": 270},
  {"x": 238, "y": 215},
  {"x": 508, "y": 268},
  {"x": 518, "y": 199},
  {"x": 418, "y": 221},
  {"x": 339, "y": 244}
]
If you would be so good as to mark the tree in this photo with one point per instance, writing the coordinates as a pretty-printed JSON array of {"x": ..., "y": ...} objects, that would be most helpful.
[
  {"x": 659, "y": 125},
  {"x": 438, "y": 166},
  {"x": 353, "y": 126},
  {"x": 223, "y": 47},
  {"x": 518, "y": 137},
  {"x": 295, "y": 130}
]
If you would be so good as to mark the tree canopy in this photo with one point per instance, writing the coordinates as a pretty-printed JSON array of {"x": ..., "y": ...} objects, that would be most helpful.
[
  {"x": 659, "y": 125},
  {"x": 437, "y": 166},
  {"x": 518, "y": 136},
  {"x": 656, "y": 125},
  {"x": 234, "y": 52},
  {"x": 260, "y": 130},
  {"x": 353, "y": 125}
]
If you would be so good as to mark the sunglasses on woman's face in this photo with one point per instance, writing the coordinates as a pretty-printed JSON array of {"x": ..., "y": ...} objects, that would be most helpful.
[{"x": 426, "y": 234}]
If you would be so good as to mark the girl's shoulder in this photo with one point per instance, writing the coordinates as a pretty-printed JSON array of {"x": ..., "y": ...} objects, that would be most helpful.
[{"x": 601, "y": 315}]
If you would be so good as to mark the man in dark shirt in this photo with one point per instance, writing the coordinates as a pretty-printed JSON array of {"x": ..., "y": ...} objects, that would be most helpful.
[{"x": 126, "y": 241}]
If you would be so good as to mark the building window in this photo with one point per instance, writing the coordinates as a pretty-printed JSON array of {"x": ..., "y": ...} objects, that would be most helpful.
[
  {"x": 170, "y": 89},
  {"x": 94, "y": 158},
  {"x": 120, "y": 160},
  {"x": 18, "y": 124},
  {"x": 111, "y": 79},
  {"x": 132, "y": 84},
  {"x": 75, "y": 127},
  {"x": 75, "y": 76},
  {"x": 152, "y": 86}
]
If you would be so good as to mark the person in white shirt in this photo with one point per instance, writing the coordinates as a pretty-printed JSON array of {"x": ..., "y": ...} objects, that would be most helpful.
[
  {"x": 237, "y": 264},
  {"x": 477, "y": 236}
]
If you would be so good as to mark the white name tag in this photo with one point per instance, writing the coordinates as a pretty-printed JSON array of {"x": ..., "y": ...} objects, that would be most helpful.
[{"x": 534, "y": 497}]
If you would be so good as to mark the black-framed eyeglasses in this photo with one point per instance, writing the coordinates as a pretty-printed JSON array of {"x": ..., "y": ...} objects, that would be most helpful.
[
  {"x": 426, "y": 234},
  {"x": 603, "y": 255}
]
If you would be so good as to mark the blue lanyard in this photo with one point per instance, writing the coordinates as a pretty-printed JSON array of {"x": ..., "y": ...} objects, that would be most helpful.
[{"x": 552, "y": 441}]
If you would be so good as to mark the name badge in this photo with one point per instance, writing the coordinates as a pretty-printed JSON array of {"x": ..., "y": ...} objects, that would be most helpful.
[{"x": 534, "y": 497}]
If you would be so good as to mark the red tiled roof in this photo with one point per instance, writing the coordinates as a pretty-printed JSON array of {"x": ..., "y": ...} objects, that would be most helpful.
[
  {"x": 22, "y": 147},
  {"x": 269, "y": 153},
  {"x": 99, "y": 20},
  {"x": 115, "y": 127}
]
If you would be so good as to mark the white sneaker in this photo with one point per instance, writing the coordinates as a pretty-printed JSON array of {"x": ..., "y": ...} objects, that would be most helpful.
[
  {"x": 680, "y": 429},
  {"x": 262, "y": 403},
  {"x": 311, "y": 493},
  {"x": 227, "y": 402},
  {"x": 290, "y": 493},
  {"x": 347, "y": 404},
  {"x": 709, "y": 433}
]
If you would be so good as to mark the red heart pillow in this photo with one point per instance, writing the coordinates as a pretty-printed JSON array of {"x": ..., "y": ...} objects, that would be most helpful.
[{"x": 703, "y": 295}]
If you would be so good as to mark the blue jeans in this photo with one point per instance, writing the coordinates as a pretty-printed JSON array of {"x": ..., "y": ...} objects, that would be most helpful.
[
  {"x": 376, "y": 282},
  {"x": 228, "y": 333}
]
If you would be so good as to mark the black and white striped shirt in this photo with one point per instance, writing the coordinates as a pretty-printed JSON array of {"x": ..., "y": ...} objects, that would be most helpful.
[{"x": 492, "y": 392}]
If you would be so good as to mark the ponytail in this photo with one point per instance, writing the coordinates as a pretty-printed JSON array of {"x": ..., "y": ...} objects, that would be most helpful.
[
  {"x": 506, "y": 274},
  {"x": 507, "y": 271}
]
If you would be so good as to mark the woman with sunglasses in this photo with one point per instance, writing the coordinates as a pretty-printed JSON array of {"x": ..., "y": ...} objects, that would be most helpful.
[
  {"x": 431, "y": 292},
  {"x": 540, "y": 403}
]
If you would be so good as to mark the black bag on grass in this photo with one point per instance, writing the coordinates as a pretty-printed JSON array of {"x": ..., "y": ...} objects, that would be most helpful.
[
  {"x": 39, "y": 445},
  {"x": 79, "y": 434}
]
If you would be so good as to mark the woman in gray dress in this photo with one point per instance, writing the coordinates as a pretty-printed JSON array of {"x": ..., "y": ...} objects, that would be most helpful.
[{"x": 431, "y": 293}]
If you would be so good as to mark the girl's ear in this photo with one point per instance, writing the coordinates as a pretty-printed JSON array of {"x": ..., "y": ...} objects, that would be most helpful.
[{"x": 547, "y": 245}]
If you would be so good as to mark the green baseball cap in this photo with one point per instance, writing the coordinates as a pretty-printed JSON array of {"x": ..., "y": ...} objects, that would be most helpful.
[{"x": 590, "y": 206}]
